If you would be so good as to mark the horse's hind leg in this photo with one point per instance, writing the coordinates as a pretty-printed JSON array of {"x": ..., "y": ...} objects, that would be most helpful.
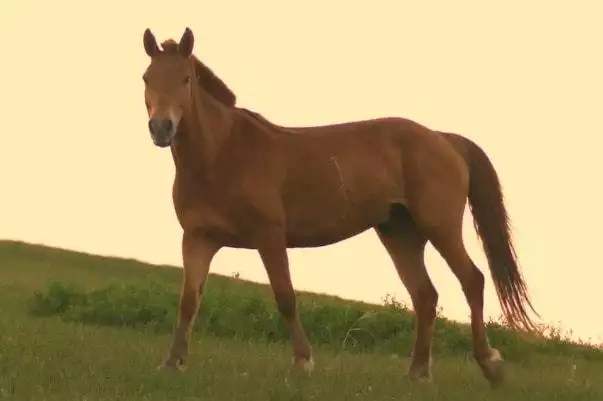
[
  {"x": 442, "y": 224},
  {"x": 406, "y": 247}
]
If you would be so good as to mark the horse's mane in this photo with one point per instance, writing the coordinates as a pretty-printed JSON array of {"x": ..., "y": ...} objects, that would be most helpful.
[{"x": 207, "y": 79}]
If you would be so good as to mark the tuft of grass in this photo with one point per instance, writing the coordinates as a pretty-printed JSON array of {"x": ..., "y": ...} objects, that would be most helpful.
[
  {"x": 114, "y": 305},
  {"x": 337, "y": 326}
]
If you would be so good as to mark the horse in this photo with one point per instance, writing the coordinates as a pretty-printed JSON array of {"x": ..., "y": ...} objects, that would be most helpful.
[{"x": 243, "y": 182}]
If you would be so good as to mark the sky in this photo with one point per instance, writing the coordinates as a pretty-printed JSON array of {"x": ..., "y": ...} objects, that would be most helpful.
[{"x": 522, "y": 79}]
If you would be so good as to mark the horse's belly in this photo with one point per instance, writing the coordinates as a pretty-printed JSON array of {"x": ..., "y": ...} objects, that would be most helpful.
[
  {"x": 321, "y": 238},
  {"x": 322, "y": 224}
]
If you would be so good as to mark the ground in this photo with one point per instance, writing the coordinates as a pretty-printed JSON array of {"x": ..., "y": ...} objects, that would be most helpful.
[{"x": 53, "y": 351}]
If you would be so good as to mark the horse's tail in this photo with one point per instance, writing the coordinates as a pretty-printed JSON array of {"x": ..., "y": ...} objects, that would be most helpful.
[{"x": 491, "y": 222}]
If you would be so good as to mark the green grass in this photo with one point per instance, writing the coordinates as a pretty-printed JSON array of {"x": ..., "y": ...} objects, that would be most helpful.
[{"x": 81, "y": 327}]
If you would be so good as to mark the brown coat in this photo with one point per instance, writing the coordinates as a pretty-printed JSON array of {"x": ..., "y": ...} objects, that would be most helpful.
[{"x": 244, "y": 182}]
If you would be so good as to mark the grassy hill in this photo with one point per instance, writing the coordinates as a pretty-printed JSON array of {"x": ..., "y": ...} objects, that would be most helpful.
[{"x": 75, "y": 326}]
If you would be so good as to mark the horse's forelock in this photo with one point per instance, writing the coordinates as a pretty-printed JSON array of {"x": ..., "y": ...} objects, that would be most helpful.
[{"x": 169, "y": 46}]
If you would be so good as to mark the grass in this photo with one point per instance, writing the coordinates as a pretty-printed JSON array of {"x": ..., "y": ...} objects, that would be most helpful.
[{"x": 81, "y": 327}]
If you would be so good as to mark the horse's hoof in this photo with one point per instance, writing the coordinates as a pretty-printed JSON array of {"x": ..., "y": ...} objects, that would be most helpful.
[
  {"x": 172, "y": 366},
  {"x": 493, "y": 368},
  {"x": 421, "y": 374},
  {"x": 304, "y": 365}
]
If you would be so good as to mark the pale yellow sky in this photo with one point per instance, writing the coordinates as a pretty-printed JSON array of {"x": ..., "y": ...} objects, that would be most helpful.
[{"x": 524, "y": 81}]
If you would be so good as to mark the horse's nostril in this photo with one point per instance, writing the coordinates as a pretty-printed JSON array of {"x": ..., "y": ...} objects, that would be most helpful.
[{"x": 167, "y": 123}]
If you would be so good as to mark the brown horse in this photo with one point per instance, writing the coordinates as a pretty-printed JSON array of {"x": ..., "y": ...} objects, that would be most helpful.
[{"x": 244, "y": 182}]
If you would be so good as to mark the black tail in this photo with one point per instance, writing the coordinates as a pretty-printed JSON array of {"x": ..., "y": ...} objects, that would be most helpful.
[{"x": 491, "y": 222}]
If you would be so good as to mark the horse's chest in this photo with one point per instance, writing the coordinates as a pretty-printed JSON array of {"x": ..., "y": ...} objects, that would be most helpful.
[{"x": 210, "y": 212}]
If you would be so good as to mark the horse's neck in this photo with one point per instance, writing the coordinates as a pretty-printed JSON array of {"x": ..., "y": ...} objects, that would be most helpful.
[{"x": 203, "y": 131}]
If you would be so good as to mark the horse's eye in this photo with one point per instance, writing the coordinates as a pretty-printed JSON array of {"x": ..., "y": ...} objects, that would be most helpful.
[{"x": 186, "y": 80}]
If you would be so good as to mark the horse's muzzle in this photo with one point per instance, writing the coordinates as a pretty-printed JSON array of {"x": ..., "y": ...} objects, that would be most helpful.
[{"x": 162, "y": 131}]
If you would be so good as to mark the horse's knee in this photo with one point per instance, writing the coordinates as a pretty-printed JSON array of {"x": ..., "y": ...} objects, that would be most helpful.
[{"x": 286, "y": 305}]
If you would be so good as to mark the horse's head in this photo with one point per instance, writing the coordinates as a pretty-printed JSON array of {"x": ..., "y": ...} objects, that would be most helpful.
[{"x": 168, "y": 84}]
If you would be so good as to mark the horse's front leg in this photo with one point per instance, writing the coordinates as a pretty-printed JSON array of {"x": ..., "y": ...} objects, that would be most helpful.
[
  {"x": 273, "y": 251},
  {"x": 197, "y": 254}
]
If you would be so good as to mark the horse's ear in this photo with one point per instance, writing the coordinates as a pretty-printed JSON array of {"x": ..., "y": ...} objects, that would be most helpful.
[
  {"x": 150, "y": 43},
  {"x": 185, "y": 47}
]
